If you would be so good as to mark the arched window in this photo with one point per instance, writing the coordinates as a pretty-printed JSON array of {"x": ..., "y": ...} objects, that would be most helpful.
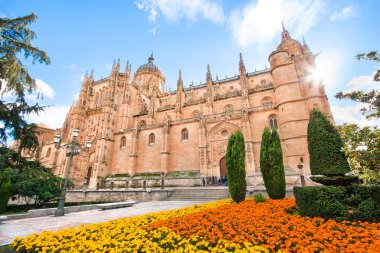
[
  {"x": 273, "y": 122},
  {"x": 48, "y": 152},
  {"x": 184, "y": 134},
  {"x": 152, "y": 139},
  {"x": 123, "y": 142}
]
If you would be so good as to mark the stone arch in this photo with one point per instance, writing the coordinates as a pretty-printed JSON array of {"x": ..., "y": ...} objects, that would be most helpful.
[
  {"x": 267, "y": 102},
  {"x": 215, "y": 132},
  {"x": 273, "y": 121},
  {"x": 218, "y": 140}
]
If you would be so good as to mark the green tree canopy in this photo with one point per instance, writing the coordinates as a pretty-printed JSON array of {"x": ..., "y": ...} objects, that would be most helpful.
[
  {"x": 271, "y": 164},
  {"x": 235, "y": 163},
  {"x": 370, "y": 98},
  {"x": 365, "y": 163},
  {"x": 15, "y": 40}
]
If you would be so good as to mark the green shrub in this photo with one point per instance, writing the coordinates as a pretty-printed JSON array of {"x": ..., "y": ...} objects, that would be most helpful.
[
  {"x": 271, "y": 164},
  {"x": 5, "y": 188},
  {"x": 235, "y": 163},
  {"x": 325, "y": 147},
  {"x": 183, "y": 174},
  {"x": 336, "y": 180},
  {"x": 354, "y": 202},
  {"x": 259, "y": 198}
]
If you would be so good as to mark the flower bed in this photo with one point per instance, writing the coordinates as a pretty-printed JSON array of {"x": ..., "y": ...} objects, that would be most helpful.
[{"x": 214, "y": 227}]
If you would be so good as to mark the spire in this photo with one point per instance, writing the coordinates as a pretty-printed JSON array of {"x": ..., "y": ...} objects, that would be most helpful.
[
  {"x": 208, "y": 75},
  {"x": 285, "y": 34},
  {"x": 179, "y": 82},
  {"x": 151, "y": 59},
  {"x": 242, "y": 70},
  {"x": 305, "y": 47},
  {"x": 118, "y": 64},
  {"x": 114, "y": 64},
  {"x": 91, "y": 78},
  {"x": 85, "y": 77},
  {"x": 127, "y": 69}
]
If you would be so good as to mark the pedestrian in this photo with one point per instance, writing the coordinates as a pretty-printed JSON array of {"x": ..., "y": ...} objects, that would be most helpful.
[{"x": 204, "y": 182}]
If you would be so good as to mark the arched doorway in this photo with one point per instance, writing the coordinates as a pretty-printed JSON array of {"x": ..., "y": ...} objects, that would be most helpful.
[{"x": 222, "y": 166}]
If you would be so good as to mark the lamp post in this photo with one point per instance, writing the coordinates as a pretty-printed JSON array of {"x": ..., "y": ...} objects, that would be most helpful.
[
  {"x": 300, "y": 167},
  {"x": 73, "y": 149}
]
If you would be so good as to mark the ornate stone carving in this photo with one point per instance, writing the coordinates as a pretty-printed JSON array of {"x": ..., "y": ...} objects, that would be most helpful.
[
  {"x": 244, "y": 111},
  {"x": 166, "y": 124}
]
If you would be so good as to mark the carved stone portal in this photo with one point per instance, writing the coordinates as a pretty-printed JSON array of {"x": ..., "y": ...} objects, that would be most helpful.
[{"x": 218, "y": 141}]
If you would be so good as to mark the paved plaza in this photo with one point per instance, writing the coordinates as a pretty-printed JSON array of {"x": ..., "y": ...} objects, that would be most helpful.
[{"x": 9, "y": 230}]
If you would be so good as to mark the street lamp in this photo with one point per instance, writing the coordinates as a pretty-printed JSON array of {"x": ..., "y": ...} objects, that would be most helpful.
[
  {"x": 300, "y": 167},
  {"x": 73, "y": 149}
]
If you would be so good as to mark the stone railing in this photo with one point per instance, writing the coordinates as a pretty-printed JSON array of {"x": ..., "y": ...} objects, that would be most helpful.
[
  {"x": 260, "y": 88},
  {"x": 165, "y": 108},
  {"x": 194, "y": 102},
  {"x": 228, "y": 94}
]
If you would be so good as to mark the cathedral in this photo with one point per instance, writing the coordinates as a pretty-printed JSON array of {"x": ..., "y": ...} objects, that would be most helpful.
[{"x": 136, "y": 127}]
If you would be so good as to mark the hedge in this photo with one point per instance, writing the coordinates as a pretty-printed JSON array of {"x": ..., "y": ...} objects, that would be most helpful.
[
  {"x": 325, "y": 147},
  {"x": 354, "y": 202}
]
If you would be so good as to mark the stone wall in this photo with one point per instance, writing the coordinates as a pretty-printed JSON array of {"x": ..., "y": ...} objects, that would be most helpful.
[{"x": 116, "y": 195}]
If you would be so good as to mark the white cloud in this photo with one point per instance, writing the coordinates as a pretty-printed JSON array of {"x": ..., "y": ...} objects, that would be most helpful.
[
  {"x": 153, "y": 31},
  {"x": 174, "y": 10},
  {"x": 152, "y": 16},
  {"x": 71, "y": 66},
  {"x": 342, "y": 14},
  {"x": 351, "y": 114},
  {"x": 43, "y": 90},
  {"x": 52, "y": 116},
  {"x": 328, "y": 68},
  {"x": 259, "y": 21},
  {"x": 362, "y": 83}
]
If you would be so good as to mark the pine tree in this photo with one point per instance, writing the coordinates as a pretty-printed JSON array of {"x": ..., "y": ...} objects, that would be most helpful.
[
  {"x": 271, "y": 164},
  {"x": 325, "y": 147},
  {"x": 235, "y": 163},
  {"x": 15, "y": 40}
]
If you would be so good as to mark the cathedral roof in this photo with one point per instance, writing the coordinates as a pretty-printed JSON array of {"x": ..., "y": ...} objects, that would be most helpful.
[{"x": 150, "y": 66}]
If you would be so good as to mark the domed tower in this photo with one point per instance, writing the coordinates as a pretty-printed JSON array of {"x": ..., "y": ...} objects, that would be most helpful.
[
  {"x": 150, "y": 78},
  {"x": 295, "y": 96}
]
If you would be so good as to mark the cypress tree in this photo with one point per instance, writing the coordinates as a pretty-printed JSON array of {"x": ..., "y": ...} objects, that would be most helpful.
[
  {"x": 271, "y": 164},
  {"x": 325, "y": 147},
  {"x": 235, "y": 163}
]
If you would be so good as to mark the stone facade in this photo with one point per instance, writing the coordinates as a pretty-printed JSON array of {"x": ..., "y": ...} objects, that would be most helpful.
[{"x": 136, "y": 127}]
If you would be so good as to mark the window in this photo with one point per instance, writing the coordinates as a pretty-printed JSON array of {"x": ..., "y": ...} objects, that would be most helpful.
[
  {"x": 184, "y": 134},
  {"x": 48, "y": 152},
  {"x": 123, "y": 142},
  {"x": 273, "y": 122},
  {"x": 152, "y": 139}
]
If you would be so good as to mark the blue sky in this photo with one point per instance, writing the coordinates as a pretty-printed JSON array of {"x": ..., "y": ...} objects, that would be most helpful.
[{"x": 80, "y": 35}]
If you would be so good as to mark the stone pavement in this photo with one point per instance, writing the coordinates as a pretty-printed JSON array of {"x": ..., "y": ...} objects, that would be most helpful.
[{"x": 9, "y": 230}]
